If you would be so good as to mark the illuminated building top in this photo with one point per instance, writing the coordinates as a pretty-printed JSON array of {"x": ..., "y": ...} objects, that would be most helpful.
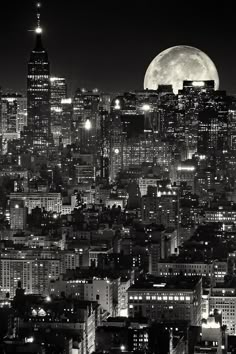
[{"x": 38, "y": 29}]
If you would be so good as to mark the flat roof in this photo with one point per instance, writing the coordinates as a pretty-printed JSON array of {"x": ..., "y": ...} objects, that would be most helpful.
[{"x": 162, "y": 283}]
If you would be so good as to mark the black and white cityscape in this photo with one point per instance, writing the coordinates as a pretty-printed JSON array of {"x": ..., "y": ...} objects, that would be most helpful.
[{"x": 117, "y": 207}]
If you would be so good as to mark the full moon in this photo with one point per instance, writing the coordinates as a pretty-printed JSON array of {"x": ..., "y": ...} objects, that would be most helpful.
[{"x": 176, "y": 64}]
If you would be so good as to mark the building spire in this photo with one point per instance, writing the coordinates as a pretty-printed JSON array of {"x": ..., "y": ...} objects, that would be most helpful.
[{"x": 38, "y": 29}]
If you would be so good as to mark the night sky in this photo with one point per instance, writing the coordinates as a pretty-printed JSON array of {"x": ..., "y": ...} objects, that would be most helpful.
[{"x": 109, "y": 44}]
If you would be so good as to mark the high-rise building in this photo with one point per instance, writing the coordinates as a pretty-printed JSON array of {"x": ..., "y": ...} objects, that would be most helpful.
[
  {"x": 164, "y": 300},
  {"x": 21, "y": 114},
  {"x": 86, "y": 120},
  {"x": 160, "y": 207},
  {"x": 66, "y": 123},
  {"x": 232, "y": 127},
  {"x": 58, "y": 93},
  {"x": 33, "y": 270},
  {"x": 214, "y": 124},
  {"x": 38, "y": 95},
  {"x": 212, "y": 132},
  {"x": 18, "y": 215},
  {"x": 13, "y": 117},
  {"x": 224, "y": 300},
  {"x": 104, "y": 144},
  {"x": 9, "y": 114}
]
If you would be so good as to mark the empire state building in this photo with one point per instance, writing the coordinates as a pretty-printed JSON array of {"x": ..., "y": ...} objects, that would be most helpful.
[{"x": 38, "y": 95}]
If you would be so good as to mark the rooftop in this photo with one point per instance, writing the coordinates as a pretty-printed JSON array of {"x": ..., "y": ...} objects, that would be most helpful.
[{"x": 185, "y": 283}]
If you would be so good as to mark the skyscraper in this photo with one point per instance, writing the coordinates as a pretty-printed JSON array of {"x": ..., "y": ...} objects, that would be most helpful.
[
  {"x": 38, "y": 131},
  {"x": 66, "y": 123},
  {"x": 21, "y": 114},
  {"x": 58, "y": 93},
  {"x": 212, "y": 131},
  {"x": 9, "y": 114},
  {"x": 86, "y": 122}
]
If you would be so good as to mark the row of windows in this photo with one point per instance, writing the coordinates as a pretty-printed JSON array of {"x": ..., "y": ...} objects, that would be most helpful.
[{"x": 164, "y": 297}]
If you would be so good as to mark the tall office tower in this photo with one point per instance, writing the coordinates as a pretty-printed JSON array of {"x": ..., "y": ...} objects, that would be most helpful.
[
  {"x": 134, "y": 136},
  {"x": 212, "y": 132},
  {"x": 192, "y": 99},
  {"x": 58, "y": 93},
  {"x": 66, "y": 123},
  {"x": 8, "y": 126},
  {"x": 38, "y": 132},
  {"x": 167, "y": 115},
  {"x": 115, "y": 138},
  {"x": 13, "y": 119},
  {"x": 104, "y": 144},
  {"x": 91, "y": 122},
  {"x": 86, "y": 119},
  {"x": 232, "y": 126},
  {"x": 105, "y": 102},
  {"x": 21, "y": 114},
  {"x": 9, "y": 114},
  {"x": 13, "y": 115}
]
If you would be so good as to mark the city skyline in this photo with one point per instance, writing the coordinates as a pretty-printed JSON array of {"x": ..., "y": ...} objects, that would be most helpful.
[
  {"x": 117, "y": 209},
  {"x": 112, "y": 46}
]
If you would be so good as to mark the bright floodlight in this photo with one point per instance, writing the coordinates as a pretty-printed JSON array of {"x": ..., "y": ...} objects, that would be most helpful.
[
  {"x": 186, "y": 168},
  {"x": 122, "y": 348},
  {"x": 117, "y": 104},
  {"x": 48, "y": 299},
  {"x": 146, "y": 107},
  {"x": 198, "y": 83},
  {"x": 117, "y": 151},
  {"x": 38, "y": 30},
  {"x": 88, "y": 125},
  {"x": 29, "y": 340}
]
